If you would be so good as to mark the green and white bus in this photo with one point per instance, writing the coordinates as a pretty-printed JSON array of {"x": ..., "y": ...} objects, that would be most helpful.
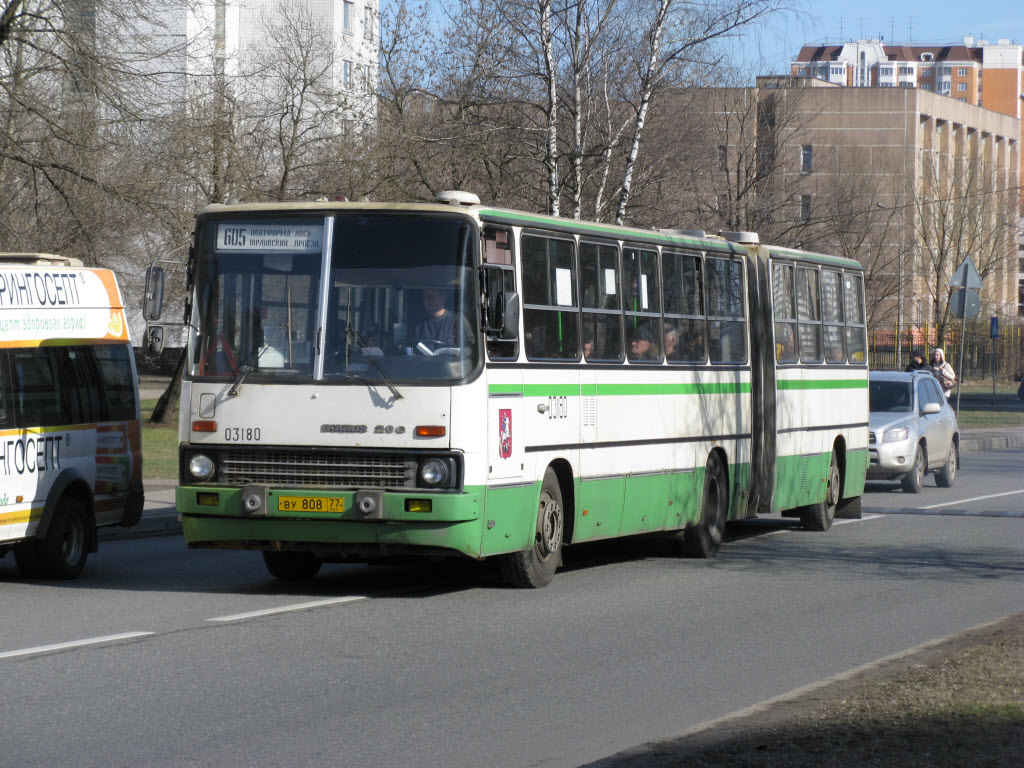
[{"x": 367, "y": 381}]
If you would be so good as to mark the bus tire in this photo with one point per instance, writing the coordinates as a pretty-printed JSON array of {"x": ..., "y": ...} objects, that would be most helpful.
[
  {"x": 62, "y": 552},
  {"x": 913, "y": 481},
  {"x": 705, "y": 538},
  {"x": 535, "y": 567},
  {"x": 946, "y": 476},
  {"x": 292, "y": 566},
  {"x": 819, "y": 516}
]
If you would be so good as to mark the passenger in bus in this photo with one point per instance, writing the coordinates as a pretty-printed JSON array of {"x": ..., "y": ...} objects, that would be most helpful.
[
  {"x": 672, "y": 343},
  {"x": 642, "y": 347},
  {"x": 785, "y": 348},
  {"x": 372, "y": 342},
  {"x": 694, "y": 347},
  {"x": 588, "y": 347},
  {"x": 441, "y": 325}
]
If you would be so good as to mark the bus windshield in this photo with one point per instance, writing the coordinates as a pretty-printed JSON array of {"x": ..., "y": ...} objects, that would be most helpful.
[{"x": 398, "y": 303}]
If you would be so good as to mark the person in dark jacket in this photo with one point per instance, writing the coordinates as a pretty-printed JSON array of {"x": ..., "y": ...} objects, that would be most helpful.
[{"x": 917, "y": 362}]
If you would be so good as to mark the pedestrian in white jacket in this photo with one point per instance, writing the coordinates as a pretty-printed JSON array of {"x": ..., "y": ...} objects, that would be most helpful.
[{"x": 943, "y": 371}]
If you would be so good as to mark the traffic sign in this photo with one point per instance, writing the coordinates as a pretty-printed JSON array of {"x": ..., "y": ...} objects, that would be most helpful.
[
  {"x": 966, "y": 276},
  {"x": 993, "y": 327},
  {"x": 964, "y": 303}
]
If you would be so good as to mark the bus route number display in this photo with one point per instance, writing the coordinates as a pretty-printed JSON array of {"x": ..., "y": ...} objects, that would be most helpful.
[{"x": 270, "y": 238}]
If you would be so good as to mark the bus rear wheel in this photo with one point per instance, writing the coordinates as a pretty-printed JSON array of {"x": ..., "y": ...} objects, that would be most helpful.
[
  {"x": 292, "y": 566},
  {"x": 535, "y": 567},
  {"x": 705, "y": 538},
  {"x": 61, "y": 554},
  {"x": 819, "y": 516}
]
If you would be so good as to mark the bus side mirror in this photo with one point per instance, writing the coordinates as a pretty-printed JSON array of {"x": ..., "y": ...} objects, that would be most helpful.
[
  {"x": 155, "y": 339},
  {"x": 509, "y": 302},
  {"x": 153, "y": 302}
]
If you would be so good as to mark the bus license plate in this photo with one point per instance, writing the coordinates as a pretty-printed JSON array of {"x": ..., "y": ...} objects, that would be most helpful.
[{"x": 310, "y": 504}]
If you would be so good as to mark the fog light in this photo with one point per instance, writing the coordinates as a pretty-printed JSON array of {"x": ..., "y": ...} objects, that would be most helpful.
[
  {"x": 208, "y": 499},
  {"x": 417, "y": 505},
  {"x": 434, "y": 472},
  {"x": 201, "y": 466}
]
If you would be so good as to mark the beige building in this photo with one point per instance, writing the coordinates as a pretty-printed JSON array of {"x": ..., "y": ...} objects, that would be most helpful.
[{"x": 907, "y": 181}]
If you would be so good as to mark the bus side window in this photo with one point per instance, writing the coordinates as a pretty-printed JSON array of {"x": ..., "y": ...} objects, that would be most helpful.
[
  {"x": 549, "y": 299},
  {"x": 808, "y": 315},
  {"x": 6, "y": 411},
  {"x": 37, "y": 397},
  {"x": 726, "y": 325},
  {"x": 832, "y": 316},
  {"x": 855, "y": 330},
  {"x": 602, "y": 302},
  {"x": 118, "y": 387},
  {"x": 784, "y": 306},
  {"x": 87, "y": 379}
]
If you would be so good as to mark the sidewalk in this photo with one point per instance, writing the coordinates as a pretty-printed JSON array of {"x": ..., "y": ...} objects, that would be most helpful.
[{"x": 159, "y": 518}]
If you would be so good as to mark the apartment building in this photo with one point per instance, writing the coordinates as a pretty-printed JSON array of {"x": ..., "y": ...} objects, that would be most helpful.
[
  {"x": 904, "y": 180},
  {"x": 979, "y": 72},
  {"x": 190, "y": 44}
]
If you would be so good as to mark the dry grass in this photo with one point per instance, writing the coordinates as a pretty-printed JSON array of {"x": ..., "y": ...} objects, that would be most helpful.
[{"x": 959, "y": 705}]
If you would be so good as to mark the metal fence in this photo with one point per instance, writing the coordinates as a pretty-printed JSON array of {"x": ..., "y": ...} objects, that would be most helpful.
[{"x": 977, "y": 346}]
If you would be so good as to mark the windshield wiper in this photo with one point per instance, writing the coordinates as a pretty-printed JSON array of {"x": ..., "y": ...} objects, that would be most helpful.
[{"x": 351, "y": 334}]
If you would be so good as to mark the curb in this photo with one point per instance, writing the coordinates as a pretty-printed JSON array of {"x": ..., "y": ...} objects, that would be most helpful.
[{"x": 992, "y": 443}]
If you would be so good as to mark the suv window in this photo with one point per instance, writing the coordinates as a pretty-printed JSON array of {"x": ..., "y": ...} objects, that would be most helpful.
[{"x": 928, "y": 392}]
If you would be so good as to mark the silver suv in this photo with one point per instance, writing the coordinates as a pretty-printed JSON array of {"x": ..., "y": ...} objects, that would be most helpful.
[{"x": 913, "y": 430}]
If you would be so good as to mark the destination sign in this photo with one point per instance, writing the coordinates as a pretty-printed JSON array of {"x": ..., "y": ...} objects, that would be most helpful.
[{"x": 270, "y": 238}]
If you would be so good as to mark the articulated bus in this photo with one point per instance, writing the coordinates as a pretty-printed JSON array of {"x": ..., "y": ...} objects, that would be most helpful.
[
  {"x": 70, "y": 441},
  {"x": 367, "y": 381}
]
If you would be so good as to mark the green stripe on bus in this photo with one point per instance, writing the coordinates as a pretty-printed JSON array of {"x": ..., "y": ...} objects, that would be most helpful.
[
  {"x": 825, "y": 384},
  {"x": 592, "y": 390},
  {"x": 619, "y": 233}
]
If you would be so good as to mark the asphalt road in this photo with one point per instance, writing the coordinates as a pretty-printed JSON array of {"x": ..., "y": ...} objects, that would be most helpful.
[{"x": 415, "y": 667}]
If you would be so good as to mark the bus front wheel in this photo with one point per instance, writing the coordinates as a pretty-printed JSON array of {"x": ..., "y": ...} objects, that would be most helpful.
[
  {"x": 705, "y": 538},
  {"x": 292, "y": 566},
  {"x": 535, "y": 567}
]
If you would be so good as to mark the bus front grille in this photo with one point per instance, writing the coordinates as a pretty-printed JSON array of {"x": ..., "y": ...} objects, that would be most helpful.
[{"x": 302, "y": 469}]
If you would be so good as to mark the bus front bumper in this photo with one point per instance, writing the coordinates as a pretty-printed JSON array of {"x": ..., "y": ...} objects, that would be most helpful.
[{"x": 333, "y": 524}]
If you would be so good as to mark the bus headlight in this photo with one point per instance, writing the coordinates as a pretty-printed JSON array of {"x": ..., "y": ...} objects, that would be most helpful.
[
  {"x": 201, "y": 466},
  {"x": 435, "y": 472}
]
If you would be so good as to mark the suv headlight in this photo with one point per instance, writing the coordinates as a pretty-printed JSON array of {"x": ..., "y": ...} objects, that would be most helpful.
[
  {"x": 896, "y": 435},
  {"x": 201, "y": 466}
]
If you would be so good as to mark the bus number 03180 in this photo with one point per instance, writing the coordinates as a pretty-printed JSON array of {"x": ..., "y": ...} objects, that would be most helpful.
[{"x": 240, "y": 434}]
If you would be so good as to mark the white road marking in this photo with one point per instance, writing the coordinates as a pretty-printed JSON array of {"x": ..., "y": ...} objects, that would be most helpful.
[
  {"x": 290, "y": 608},
  {"x": 976, "y": 498},
  {"x": 74, "y": 644}
]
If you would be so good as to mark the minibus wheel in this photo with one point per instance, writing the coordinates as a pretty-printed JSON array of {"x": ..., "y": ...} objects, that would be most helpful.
[
  {"x": 292, "y": 566},
  {"x": 535, "y": 567},
  {"x": 62, "y": 552}
]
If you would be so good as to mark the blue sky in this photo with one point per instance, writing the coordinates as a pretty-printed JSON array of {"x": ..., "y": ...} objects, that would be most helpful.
[{"x": 937, "y": 21}]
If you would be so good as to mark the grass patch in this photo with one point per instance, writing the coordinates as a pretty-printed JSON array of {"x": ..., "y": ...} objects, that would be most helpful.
[
  {"x": 990, "y": 419},
  {"x": 159, "y": 446}
]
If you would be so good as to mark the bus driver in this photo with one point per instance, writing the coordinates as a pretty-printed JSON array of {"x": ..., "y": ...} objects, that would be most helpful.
[{"x": 448, "y": 328}]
